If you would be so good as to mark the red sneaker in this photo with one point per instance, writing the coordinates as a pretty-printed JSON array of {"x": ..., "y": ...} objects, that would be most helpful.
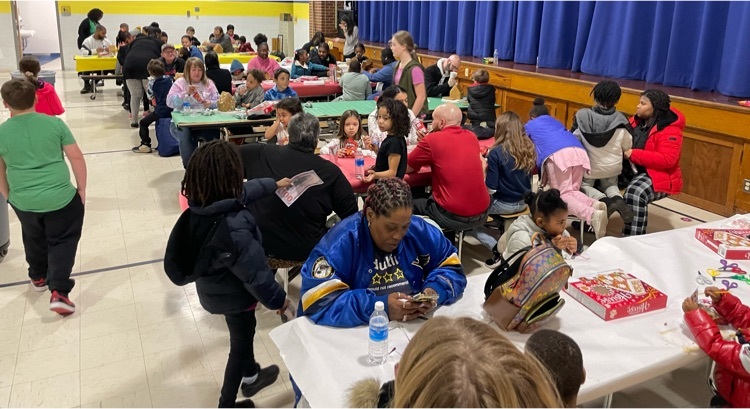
[
  {"x": 61, "y": 304},
  {"x": 38, "y": 285}
]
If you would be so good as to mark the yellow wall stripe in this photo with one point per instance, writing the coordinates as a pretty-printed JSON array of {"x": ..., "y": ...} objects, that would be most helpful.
[
  {"x": 180, "y": 8},
  {"x": 5, "y": 7}
]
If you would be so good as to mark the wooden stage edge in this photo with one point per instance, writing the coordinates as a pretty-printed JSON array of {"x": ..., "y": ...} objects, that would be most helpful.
[{"x": 715, "y": 157}]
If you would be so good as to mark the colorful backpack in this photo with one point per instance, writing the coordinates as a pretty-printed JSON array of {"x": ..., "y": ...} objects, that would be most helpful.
[{"x": 524, "y": 291}]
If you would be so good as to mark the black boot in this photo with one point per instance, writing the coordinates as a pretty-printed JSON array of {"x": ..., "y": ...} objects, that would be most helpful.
[
  {"x": 619, "y": 205},
  {"x": 610, "y": 208}
]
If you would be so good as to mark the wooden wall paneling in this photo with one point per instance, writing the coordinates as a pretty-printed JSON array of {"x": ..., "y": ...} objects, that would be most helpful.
[
  {"x": 571, "y": 113},
  {"x": 742, "y": 198},
  {"x": 710, "y": 170},
  {"x": 522, "y": 103}
]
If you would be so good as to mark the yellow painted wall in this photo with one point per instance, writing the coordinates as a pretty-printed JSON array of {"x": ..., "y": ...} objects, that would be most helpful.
[
  {"x": 207, "y": 8},
  {"x": 5, "y": 7}
]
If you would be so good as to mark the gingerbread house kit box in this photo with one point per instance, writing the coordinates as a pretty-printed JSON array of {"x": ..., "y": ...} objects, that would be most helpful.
[
  {"x": 731, "y": 244},
  {"x": 616, "y": 294}
]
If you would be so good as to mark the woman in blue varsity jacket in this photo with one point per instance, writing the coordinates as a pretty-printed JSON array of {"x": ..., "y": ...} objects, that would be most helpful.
[{"x": 380, "y": 254}]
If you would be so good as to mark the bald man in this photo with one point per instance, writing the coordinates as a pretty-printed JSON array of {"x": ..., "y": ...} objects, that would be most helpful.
[
  {"x": 441, "y": 77},
  {"x": 459, "y": 199}
]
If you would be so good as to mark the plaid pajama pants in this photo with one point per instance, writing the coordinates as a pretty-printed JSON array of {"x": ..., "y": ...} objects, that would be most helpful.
[{"x": 638, "y": 195}]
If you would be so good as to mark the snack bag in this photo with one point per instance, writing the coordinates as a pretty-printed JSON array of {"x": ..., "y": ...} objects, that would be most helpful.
[{"x": 226, "y": 102}]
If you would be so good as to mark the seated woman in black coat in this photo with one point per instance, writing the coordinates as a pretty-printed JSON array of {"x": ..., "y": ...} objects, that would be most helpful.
[{"x": 220, "y": 76}]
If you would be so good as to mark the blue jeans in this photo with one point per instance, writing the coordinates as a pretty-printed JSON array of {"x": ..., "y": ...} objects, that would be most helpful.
[
  {"x": 189, "y": 140},
  {"x": 496, "y": 207}
]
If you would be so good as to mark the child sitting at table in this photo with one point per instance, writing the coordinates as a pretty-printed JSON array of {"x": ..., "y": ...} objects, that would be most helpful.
[
  {"x": 324, "y": 56},
  {"x": 285, "y": 110},
  {"x": 234, "y": 276},
  {"x": 393, "y": 119},
  {"x": 562, "y": 357},
  {"x": 251, "y": 94},
  {"x": 548, "y": 215},
  {"x": 303, "y": 67},
  {"x": 47, "y": 101},
  {"x": 376, "y": 134},
  {"x": 355, "y": 85},
  {"x": 563, "y": 162},
  {"x": 350, "y": 137},
  {"x": 481, "y": 112},
  {"x": 359, "y": 54},
  {"x": 281, "y": 90},
  {"x": 731, "y": 376},
  {"x": 245, "y": 47},
  {"x": 237, "y": 70}
]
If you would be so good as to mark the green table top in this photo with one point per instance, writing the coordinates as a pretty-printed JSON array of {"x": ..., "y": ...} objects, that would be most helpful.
[
  {"x": 337, "y": 108},
  {"x": 319, "y": 109}
]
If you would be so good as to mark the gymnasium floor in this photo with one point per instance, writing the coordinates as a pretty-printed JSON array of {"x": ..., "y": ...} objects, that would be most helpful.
[{"x": 137, "y": 340}]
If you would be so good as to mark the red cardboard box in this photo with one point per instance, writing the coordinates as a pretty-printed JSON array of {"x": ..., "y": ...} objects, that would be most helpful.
[
  {"x": 731, "y": 244},
  {"x": 616, "y": 294}
]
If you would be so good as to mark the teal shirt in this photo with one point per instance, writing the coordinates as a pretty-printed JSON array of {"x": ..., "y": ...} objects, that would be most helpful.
[{"x": 31, "y": 146}]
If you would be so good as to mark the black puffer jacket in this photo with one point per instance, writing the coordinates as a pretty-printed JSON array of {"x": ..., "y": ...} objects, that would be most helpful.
[
  {"x": 482, "y": 104},
  {"x": 140, "y": 52},
  {"x": 219, "y": 247}
]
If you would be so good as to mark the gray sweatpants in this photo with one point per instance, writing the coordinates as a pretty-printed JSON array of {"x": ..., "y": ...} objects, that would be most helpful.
[
  {"x": 606, "y": 187},
  {"x": 137, "y": 90}
]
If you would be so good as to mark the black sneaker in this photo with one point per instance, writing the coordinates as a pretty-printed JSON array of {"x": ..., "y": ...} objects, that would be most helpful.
[
  {"x": 266, "y": 376},
  {"x": 495, "y": 261},
  {"x": 86, "y": 90},
  {"x": 247, "y": 403}
]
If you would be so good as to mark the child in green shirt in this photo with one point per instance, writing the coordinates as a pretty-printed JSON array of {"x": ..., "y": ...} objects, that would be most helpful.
[{"x": 35, "y": 179}]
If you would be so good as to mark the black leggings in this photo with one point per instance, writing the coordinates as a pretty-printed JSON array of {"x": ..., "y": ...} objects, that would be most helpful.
[{"x": 241, "y": 360}]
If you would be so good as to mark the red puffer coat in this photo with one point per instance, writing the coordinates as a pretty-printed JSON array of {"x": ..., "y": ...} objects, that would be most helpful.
[
  {"x": 661, "y": 155},
  {"x": 732, "y": 374}
]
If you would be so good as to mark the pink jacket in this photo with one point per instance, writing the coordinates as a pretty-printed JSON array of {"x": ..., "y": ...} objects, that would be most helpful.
[{"x": 269, "y": 65}]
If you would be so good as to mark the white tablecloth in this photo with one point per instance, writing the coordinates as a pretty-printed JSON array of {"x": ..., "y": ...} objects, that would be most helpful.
[{"x": 617, "y": 354}]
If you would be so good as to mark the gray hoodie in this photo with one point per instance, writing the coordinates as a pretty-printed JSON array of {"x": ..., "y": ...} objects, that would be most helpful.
[{"x": 605, "y": 134}]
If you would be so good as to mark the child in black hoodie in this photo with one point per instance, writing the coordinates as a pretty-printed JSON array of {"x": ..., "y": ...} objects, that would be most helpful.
[
  {"x": 216, "y": 244},
  {"x": 481, "y": 111}
]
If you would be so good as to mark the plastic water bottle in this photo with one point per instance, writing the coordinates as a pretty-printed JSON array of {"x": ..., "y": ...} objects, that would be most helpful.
[
  {"x": 359, "y": 164},
  {"x": 186, "y": 109},
  {"x": 378, "y": 348},
  {"x": 494, "y": 57}
]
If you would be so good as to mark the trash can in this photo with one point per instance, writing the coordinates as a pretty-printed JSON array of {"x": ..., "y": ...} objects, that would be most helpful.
[
  {"x": 4, "y": 228},
  {"x": 46, "y": 75}
]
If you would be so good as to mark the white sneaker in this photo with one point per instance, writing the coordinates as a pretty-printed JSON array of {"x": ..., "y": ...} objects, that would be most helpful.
[
  {"x": 600, "y": 205},
  {"x": 599, "y": 223}
]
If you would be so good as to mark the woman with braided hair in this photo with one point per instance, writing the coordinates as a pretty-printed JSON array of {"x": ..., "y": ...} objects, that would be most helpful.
[
  {"x": 216, "y": 244},
  {"x": 382, "y": 253},
  {"x": 655, "y": 157}
]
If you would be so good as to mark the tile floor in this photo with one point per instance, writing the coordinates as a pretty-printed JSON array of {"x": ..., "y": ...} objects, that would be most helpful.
[{"x": 137, "y": 340}]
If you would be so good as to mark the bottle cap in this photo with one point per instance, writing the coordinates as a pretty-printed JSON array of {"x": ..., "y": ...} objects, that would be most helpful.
[{"x": 379, "y": 306}]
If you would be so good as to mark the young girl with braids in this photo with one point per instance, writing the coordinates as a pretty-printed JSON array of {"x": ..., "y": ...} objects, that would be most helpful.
[
  {"x": 47, "y": 101},
  {"x": 382, "y": 253},
  {"x": 216, "y": 244},
  {"x": 393, "y": 118}
]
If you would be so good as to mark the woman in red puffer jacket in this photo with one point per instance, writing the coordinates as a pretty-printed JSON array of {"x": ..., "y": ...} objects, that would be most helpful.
[
  {"x": 732, "y": 357},
  {"x": 655, "y": 157}
]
